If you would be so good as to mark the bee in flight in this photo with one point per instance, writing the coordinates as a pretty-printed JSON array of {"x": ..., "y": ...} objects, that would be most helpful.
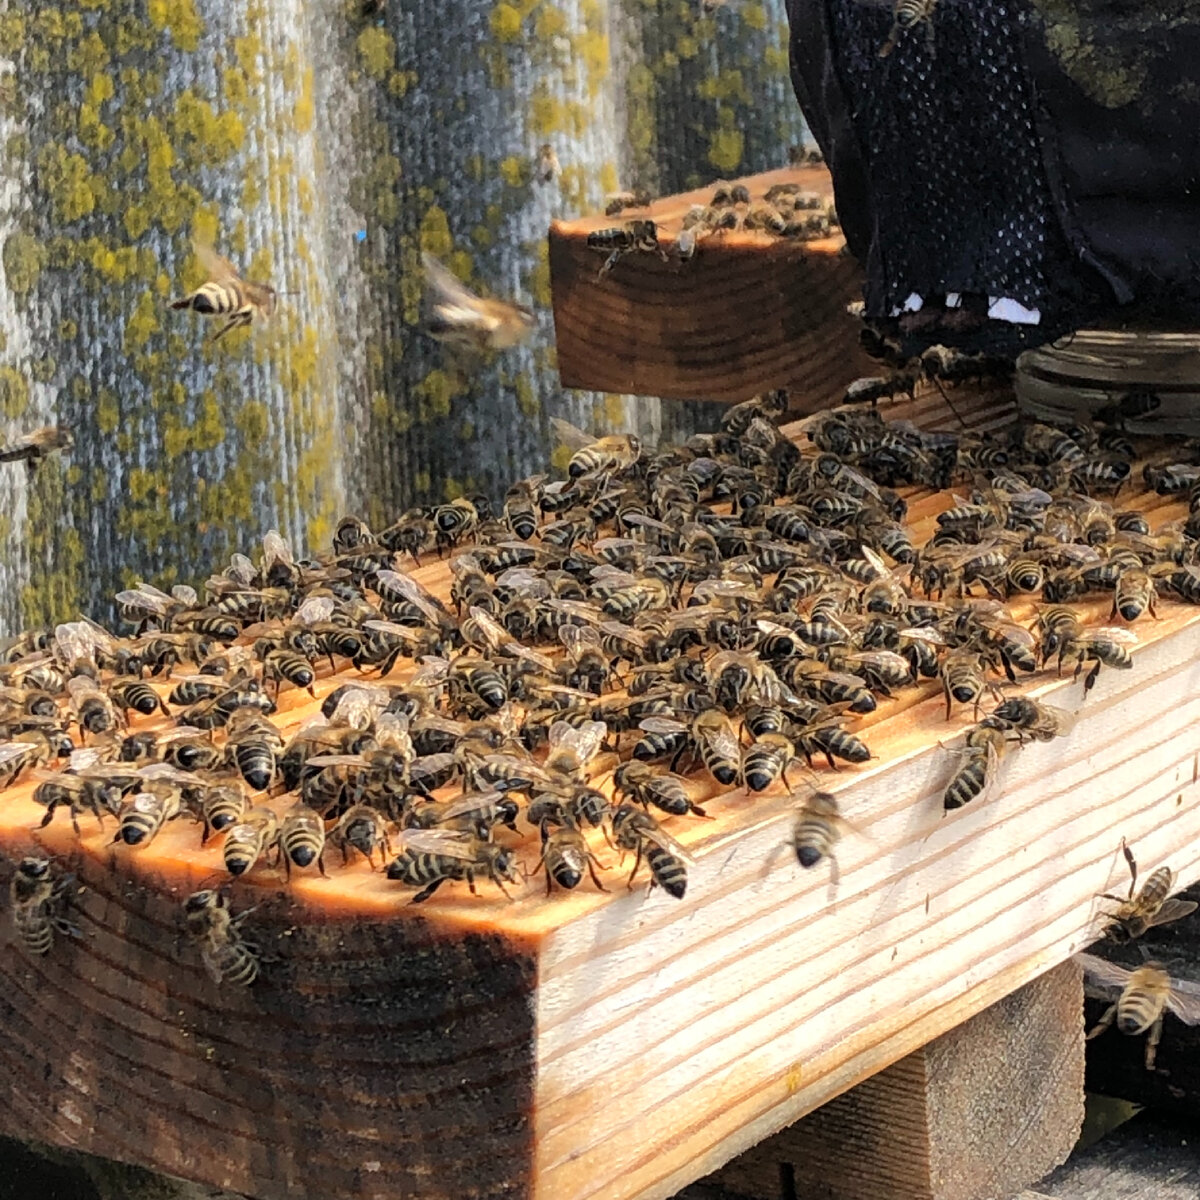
[
  {"x": 35, "y": 446},
  {"x": 1143, "y": 997},
  {"x": 226, "y": 294},
  {"x": 457, "y": 316}
]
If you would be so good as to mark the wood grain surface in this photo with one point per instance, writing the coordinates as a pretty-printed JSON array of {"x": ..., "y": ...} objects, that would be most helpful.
[
  {"x": 750, "y": 311},
  {"x": 592, "y": 1046}
]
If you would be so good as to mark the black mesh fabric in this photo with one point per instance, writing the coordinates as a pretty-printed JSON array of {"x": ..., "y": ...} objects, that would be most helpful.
[{"x": 1045, "y": 151}]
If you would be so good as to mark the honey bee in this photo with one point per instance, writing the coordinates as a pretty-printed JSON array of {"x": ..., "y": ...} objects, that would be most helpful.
[
  {"x": 1135, "y": 594},
  {"x": 301, "y": 839},
  {"x": 984, "y": 745},
  {"x": 223, "y": 805},
  {"x": 1107, "y": 646},
  {"x": 964, "y": 678},
  {"x": 77, "y": 794},
  {"x": 30, "y": 749},
  {"x": 1144, "y": 996},
  {"x": 1151, "y": 905},
  {"x": 816, "y": 830},
  {"x": 617, "y": 202},
  {"x": 565, "y": 857},
  {"x": 648, "y": 785},
  {"x": 248, "y": 838},
  {"x": 38, "y": 898},
  {"x": 362, "y": 828},
  {"x": 227, "y": 957},
  {"x": 667, "y": 860},
  {"x": 430, "y": 857},
  {"x": 461, "y": 318},
  {"x": 144, "y": 814},
  {"x": 571, "y": 749},
  {"x": 253, "y": 745},
  {"x": 32, "y": 448},
  {"x": 616, "y": 452},
  {"x": 637, "y": 235},
  {"x": 547, "y": 166},
  {"x": 737, "y": 679},
  {"x": 134, "y": 693},
  {"x": 766, "y": 760},
  {"x": 1032, "y": 718},
  {"x": 226, "y": 294}
]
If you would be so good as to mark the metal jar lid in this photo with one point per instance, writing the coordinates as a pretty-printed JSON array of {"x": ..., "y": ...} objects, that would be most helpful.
[{"x": 1149, "y": 383}]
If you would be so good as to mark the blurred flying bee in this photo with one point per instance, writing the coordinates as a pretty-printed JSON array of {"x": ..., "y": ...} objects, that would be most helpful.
[
  {"x": 430, "y": 857},
  {"x": 1150, "y": 906},
  {"x": 634, "y": 236},
  {"x": 459, "y": 317},
  {"x": 226, "y": 294},
  {"x": 38, "y": 897},
  {"x": 668, "y": 861},
  {"x": 614, "y": 452},
  {"x": 226, "y": 956},
  {"x": 546, "y": 166},
  {"x": 32, "y": 448},
  {"x": 816, "y": 830},
  {"x": 1143, "y": 997}
]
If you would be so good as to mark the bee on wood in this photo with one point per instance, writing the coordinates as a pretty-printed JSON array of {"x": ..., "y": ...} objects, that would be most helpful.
[
  {"x": 136, "y": 694},
  {"x": 430, "y": 857},
  {"x": 1144, "y": 997},
  {"x": 984, "y": 745},
  {"x": 612, "y": 453},
  {"x": 667, "y": 860},
  {"x": 461, "y": 318},
  {"x": 301, "y": 839},
  {"x": 1135, "y": 594},
  {"x": 253, "y": 745},
  {"x": 362, "y": 828},
  {"x": 226, "y": 294},
  {"x": 248, "y": 838},
  {"x": 766, "y": 760},
  {"x": 649, "y": 785},
  {"x": 1151, "y": 906},
  {"x": 546, "y": 166},
  {"x": 565, "y": 857},
  {"x": 144, "y": 814},
  {"x": 571, "y": 749},
  {"x": 1107, "y": 647},
  {"x": 412, "y": 534},
  {"x": 76, "y": 794},
  {"x": 31, "y": 748},
  {"x": 32, "y": 448},
  {"x": 227, "y": 957},
  {"x": 1031, "y": 718},
  {"x": 281, "y": 663},
  {"x": 618, "y": 202},
  {"x": 634, "y": 236},
  {"x": 38, "y": 898},
  {"x": 222, "y": 805}
]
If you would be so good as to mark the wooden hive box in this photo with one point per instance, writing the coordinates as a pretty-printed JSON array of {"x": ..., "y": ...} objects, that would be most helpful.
[
  {"x": 750, "y": 311},
  {"x": 589, "y": 1046}
]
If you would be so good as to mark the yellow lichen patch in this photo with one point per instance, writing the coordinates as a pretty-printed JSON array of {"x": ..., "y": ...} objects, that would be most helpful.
[
  {"x": 753, "y": 14},
  {"x": 108, "y": 411},
  {"x": 14, "y": 393},
  {"x": 527, "y": 400},
  {"x": 550, "y": 22},
  {"x": 725, "y": 149},
  {"x": 12, "y": 33},
  {"x": 179, "y": 18},
  {"x": 23, "y": 258},
  {"x": 505, "y": 22},
  {"x": 67, "y": 181},
  {"x": 435, "y": 392},
  {"x": 42, "y": 369},
  {"x": 136, "y": 220},
  {"x": 434, "y": 234},
  {"x": 142, "y": 324},
  {"x": 539, "y": 275},
  {"x": 250, "y": 57},
  {"x": 399, "y": 83},
  {"x": 560, "y": 456},
  {"x": 377, "y": 51},
  {"x": 592, "y": 49},
  {"x": 514, "y": 171},
  {"x": 302, "y": 111}
]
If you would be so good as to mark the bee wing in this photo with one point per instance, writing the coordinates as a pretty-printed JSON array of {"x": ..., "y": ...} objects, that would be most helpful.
[
  {"x": 495, "y": 633},
  {"x": 922, "y": 634},
  {"x": 662, "y": 725},
  {"x": 578, "y": 608},
  {"x": 625, "y": 632},
  {"x": 241, "y": 570},
  {"x": 469, "y": 802},
  {"x": 218, "y": 268},
  {"x": 163, "y": 771},
  {"x": 183, "y": 594},
  {"x": 406, "y": 633},
  {"x": 314, "y": 609},
  {"x": 611, "y": 575},
  {"x": 1184, "y": 1001},
  {"x": 1102, "y": 974},
  {"x": 336, "y": 760},
  {"x": 526, "y": 579},
  {"x": 569, "y": 435},
  {"x": 877, "y": 563},
  {"x": 1115, "y": 633},
  {"x": 584, "y": 741},
  {"x": 1063, "y": 719},
  {"x": 415, "y": 594},
  {"x": 579, "y": 637},
  {"x": 716, "y": 588},
  {"x": 449, "y": 842},
  {"x": 1173, "y": 910},
  {"x": 10, "y": 751},
  {"x": 139, "y": 599},
  {"x": 456, "y": 303},
  {"x": 81, "y": 686},
  {"x": 662, "y": 838},
  {"x": 464, "y": 562},
  {"x": 646, "y": 522},
  {"x": 276, "y": 549},
  {"x": 721, "y": 739},
  {"x": 73, "y": 642},
  {"x": 431, "y": 673}
]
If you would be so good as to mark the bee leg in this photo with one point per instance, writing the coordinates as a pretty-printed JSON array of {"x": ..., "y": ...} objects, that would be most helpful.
[
  {"x": 1110, "y": 1015},
  {"x": 1133, "y": 869},
  {"x": 591, "y": 863},
  {"x": 1089, "y": 681},
  {"x": 1152, "y": 1041},
  {"x": 637, "y": 863},
  {"x": 321, "y": 864},
  {"x": 426, "y": 892}
]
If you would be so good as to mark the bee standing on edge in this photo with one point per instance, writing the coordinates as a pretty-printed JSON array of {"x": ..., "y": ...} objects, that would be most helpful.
[
  {"x": 1150, "y": 906},
  {"x": 226, "y": 957},
  {"x": 37, "y": 898}
]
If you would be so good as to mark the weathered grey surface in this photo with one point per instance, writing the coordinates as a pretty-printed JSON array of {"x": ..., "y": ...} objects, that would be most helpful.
[{"x": 325, "y": 152}]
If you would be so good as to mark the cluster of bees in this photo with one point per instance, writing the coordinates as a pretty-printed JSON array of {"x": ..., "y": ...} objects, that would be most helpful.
[
  {"x": 728, "y": 607},
  {"x": 786, "y": 210}
]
